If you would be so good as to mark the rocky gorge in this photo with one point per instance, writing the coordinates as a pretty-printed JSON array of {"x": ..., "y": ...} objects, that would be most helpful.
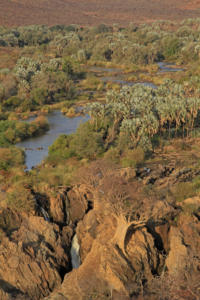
[
  {"x": 133, "y": 245},
  {"x": 106, "y": 203}
]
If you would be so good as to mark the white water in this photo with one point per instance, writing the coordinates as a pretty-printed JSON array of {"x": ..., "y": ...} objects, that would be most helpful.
[
  {"x": 75, "y": 257},
  {"x": 45, "y": 214}
]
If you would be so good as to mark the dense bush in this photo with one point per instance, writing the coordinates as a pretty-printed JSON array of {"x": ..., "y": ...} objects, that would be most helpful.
[
  {"x": 85, "y": 143},
  {"x": 138, "y": 114},
  {"x": 11, "y": 157},
  {"x": 49, "y": 64},
  {"x": 12, "y": 132}
]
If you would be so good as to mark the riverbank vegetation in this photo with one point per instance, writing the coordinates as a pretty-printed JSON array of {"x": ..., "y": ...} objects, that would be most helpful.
[
  {"x": 58, "y": 67},
  {"x": 45, "y": 68},
  {"x": 147, "y": 134},
  {"x": 43, "y": 65},
  {"x": 12, "y": 131}
]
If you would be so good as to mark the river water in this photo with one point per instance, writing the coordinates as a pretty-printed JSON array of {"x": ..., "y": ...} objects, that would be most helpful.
[
  {"x": 119, "y": 78},
  {"x": 168, "y": 67},
  {"x": 36, "y": 148}
]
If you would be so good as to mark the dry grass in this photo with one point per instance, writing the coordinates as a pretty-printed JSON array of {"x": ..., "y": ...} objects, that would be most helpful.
[{"x": 87, "y": 12}]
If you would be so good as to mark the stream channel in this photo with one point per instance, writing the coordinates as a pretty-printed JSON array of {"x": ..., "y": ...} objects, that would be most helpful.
[{"x": 36, "y": 148}]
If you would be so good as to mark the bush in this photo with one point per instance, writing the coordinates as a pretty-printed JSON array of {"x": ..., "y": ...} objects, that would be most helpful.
[
  {"x": 60, "y": 150},
  {"x": 39, "y": 96},
  {"x": 41, "y": 124},
  {"x": 112, "y": 155},
  {"x": 171, "y": 46},
  {"x": 102, "y": 28},
  {"x": 183, "y": 190},
  {"x": 20, "y": 199},
  {"x": 12, "y": 131},
  {"x": 68, "y": 68},
  {"x": 87, "y": 143},
  {"x": 133, "y": 158},
  {"x": 12, "y": 102},
  {"x": 11, "y": 157}
]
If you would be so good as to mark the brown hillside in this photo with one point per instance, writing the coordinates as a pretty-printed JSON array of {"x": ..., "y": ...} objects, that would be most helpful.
[{"x": 91, "y": 12}]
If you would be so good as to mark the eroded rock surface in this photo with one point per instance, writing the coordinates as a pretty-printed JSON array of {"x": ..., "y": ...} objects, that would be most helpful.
[
  {"x": 33, "y": 259},
  {"x": 118, "y": 255},
  {"x": 131, "y": 245}
]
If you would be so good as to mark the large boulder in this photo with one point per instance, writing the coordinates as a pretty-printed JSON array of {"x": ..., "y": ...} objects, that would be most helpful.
[{"x": 33, "y": 259}]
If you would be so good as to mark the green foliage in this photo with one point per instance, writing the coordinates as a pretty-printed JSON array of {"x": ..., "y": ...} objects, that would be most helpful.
[
  {"x": 87, "y": 143},
  {"x": 133, "y": 158},
  {"x": 171, "y": 46},
  {"x": 68, "y": 68},
  {"x": 20, "y": 198},
  {"x": 12, "y": 132},
  {"x": 11, "y": 157},
  {"x": 113, "y": 154},
  {"x": 60, "y": 149},
  {"x": 39, "y": 96},
  {"x": 142, "y": 114},
  {"x": 12, "y": 102},
  {"x": 183, "y": 190}
]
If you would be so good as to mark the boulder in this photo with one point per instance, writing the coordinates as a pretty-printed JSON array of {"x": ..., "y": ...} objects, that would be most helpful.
[
  {"x": 33, "y": 259},
  {"x": 177, "y": 257}
]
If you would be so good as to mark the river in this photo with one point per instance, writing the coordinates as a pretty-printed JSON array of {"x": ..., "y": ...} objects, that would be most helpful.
[{"x": 36, "y": 148}]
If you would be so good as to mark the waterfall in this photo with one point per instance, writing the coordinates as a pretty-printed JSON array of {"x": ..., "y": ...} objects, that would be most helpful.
[
  {"x": 76, "y": 261},
  {"x": 45, "y": 214}
]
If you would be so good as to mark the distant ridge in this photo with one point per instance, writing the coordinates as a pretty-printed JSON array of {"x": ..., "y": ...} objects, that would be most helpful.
[{"x": 93, "y": 12}]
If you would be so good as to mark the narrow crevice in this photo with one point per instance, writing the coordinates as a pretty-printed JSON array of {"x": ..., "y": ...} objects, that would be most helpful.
[
  {"x": 158, "y": 242},
  {"x": 90, "y": 206},
  {"x": 125, "y": 258},
  {"x": 62, "y": 271}
]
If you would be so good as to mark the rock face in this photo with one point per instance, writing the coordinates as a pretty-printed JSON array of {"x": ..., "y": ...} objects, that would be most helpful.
[
  {"x": 34, "y": 252},
  {"x": 117, "y": 255},
  {"x": 121, "y": 258},
  {"x": 165, "y": 175},
  {"x": 177, "y": 257},
  {"x": 70, "y": 205},
  {"x": 123, "y": 255},
  {"x": 32, "y": 259}
]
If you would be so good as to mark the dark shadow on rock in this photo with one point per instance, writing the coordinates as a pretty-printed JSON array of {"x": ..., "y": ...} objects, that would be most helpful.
[{"x": 12, "y": 291}]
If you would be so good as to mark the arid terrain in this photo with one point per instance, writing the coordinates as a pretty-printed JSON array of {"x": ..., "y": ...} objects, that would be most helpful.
[
  {"x": 92, "y": 12},
  {"x": 99, "y": 150}
]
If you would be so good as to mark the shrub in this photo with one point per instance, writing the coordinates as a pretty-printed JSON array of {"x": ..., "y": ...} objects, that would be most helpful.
[
  {"x": 12, "y": 102},
  {"x": 68, "y": 68},
  {"x": 102, "y": 28},
  {"x": 39, "y": 96},
  {"x": 133, "y": 158},
  {"x": 183, "y": 190},
  {"x": 171, "y": 46},
  {"x": 20, "y": 198},
  {"x": 112, "y": 155},
  {"x": 87, "y": 143},
  {"x": 60, "y": 149},
  {"x": 41, "y": 123},
  {"x": 11, "y": 157}
]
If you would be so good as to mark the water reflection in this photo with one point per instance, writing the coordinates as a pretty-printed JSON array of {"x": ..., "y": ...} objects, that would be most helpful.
[
  {"x": 36, "y": 148},
  {"x": 165, "y": 67}
]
